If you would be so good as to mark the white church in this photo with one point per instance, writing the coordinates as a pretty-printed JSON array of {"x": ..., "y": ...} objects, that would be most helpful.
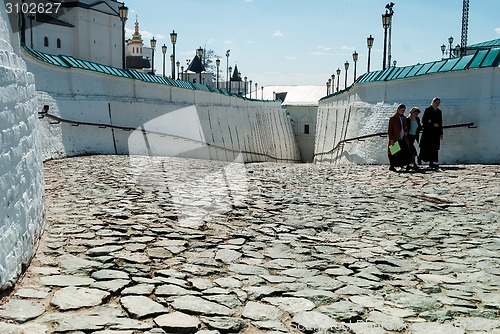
[{"x": 86, "y": 29}]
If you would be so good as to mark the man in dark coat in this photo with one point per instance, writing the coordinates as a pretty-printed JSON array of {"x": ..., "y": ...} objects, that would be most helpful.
[{"x": 432, "y": 134}]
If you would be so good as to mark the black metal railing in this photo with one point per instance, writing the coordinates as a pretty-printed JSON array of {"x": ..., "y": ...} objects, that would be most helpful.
[
  {"x": 469, "y": 125},
  {"x": 57, "y": 120}
]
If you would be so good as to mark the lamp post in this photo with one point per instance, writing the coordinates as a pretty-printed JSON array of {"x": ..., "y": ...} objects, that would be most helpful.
[
  {"x": 217, "y": 63},
  {"x": 262, "y": 90},
  {"x": 199, "y": 52},
  {"x": 355, "y": 59},
  {"x": 386, "y": 21},
  {"x": 245, "y": 86},
  {"x": 227, "y": 70},
  {"x": 172, "y": 61},
  {"x": 338, "y": 78},
  {"x": 164, "y": 51},
  {"x": 450, "y": 40},
  {"x": 332, "y": 85},
  {"x": 391, "y": 13},
  {"x": 346, "y": 67},
  {"x": 328, "y": 87},
  {"x": 173, "y": 40},
  {"x": 239, "y": 83},
  {"x": 256, "y": 87},
  {"x": 250, "y": 88},
  {"x": 178, "y": 64},
  {"x": 123, "y": 12},
  {"x": 182, "y": 72},
  {"x": 369, "y": 43},
  {"x": 153, "y": 46},
  {"x": 32, "y": 17}
]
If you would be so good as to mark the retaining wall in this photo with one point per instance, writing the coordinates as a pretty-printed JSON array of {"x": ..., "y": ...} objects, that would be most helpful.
[
  {"x": 168, "y": 120},
  {"x": 466, "y": 96}
]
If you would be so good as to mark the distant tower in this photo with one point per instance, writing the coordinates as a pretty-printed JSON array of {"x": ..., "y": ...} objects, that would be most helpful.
[
  {"x": 135, "y": 45},
  {"x": 135, "y": 55},
  {"x": 465, "y": 28}
]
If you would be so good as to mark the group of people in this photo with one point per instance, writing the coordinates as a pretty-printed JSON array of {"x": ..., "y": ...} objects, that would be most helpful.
[{"x": 404, "y": 131}]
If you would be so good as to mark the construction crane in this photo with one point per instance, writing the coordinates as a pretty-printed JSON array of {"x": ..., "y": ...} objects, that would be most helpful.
[{"x": 465, "y": 28}]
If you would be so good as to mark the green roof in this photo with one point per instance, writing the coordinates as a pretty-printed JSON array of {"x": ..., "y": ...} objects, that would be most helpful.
[
  {"x": 72, "y": 62},
  {"x": 481, "y": 58},
  {"x": 485, "y": 45},
  {"x": 486, "y": 57}
]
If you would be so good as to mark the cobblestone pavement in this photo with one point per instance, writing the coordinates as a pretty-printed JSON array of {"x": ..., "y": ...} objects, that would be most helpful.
[{"x": 168, "y": 245}]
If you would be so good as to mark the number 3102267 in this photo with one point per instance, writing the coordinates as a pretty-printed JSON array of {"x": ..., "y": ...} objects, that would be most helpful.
[{"x": 33, "y": 8}]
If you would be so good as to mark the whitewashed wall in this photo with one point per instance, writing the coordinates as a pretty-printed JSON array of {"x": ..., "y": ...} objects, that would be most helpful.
[
  {"x": 21, "y": 170},
  {"x": 466, "y": 96},
  {"x": 221, "y": 123}
]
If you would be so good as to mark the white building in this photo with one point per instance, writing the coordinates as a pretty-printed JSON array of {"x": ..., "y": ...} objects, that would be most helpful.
[
  {"x": 137, "y": 56},
  {"x": 86, "y": 29},
  {"x": 301, "y": 103}
]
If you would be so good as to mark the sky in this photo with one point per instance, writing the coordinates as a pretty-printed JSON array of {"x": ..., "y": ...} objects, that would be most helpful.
[{"x": 292, "y": 42}]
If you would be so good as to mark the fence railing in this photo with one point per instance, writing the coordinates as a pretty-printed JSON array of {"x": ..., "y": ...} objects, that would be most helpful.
[
  {"x": 57, "y": 120},
  {"x": 469, "y": 125}
]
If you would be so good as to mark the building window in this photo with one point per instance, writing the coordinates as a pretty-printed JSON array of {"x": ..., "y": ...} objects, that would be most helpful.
[
  {"x": 306, "y": 129},
  {"x": 46, "y": 41},
  {"x": 58, "y": 43}
]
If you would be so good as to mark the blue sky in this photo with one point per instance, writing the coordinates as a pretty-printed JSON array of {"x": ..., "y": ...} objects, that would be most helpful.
[{"x": 291, "y": 42}]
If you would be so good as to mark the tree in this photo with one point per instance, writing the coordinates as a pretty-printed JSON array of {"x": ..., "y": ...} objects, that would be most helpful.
[{"x": 209, "y": 58}]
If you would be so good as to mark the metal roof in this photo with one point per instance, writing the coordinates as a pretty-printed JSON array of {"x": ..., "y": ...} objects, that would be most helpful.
[
  {"x": 485, "y": 45},
  {"x": 72, "y": 62},
  {"x": 295, "y": 95}
]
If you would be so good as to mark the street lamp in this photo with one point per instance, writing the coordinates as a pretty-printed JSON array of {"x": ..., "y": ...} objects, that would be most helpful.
[
  {"x": 229, "y": 71},
  {"x": 239, "y": 83},
  {"x": 338, "y": 78},
  {"x": 250, "y": 88},
  {"x": 391, "y": 13},
  {"x": 256, "y": 87},
  {"x": 262, "y": 95},
  {"x": 386, "y": 22},
  {"x": 123, "y": 12},
  {"x": 31, "y": 17},
  {"x": 172, "y": 61},
  {"x": 346, "y": 67},
  {"x": 153, "y": 46},
  {"x": 178, "y": 64},
  {"x": 369, "y": 43},
  {"x": 182, "y": 73},
  {"x": 355, "y": 58},
  {"x": 199, "y": 52},
  {"x": 245, "y": 86},
  {"x": 164, "y": 51},
  {"x": 217, "y": 63},
  {"x": 332, "y": 84},
  {"x": 328, "y": 87},
  {"x": 450, "y": 40},
  {"x": 173, "y": 40}
]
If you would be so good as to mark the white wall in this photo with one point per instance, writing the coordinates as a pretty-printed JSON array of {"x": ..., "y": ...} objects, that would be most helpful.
[
  {"x": 212, "y": 124},
  {"x": 466, "y": 96},
  {"x": 21, "y": 178}
]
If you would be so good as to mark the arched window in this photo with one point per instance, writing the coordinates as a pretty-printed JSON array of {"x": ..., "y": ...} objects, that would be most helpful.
[
  {"x": 46, "y": 41},
  {"x": 58, "y": 43}
]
